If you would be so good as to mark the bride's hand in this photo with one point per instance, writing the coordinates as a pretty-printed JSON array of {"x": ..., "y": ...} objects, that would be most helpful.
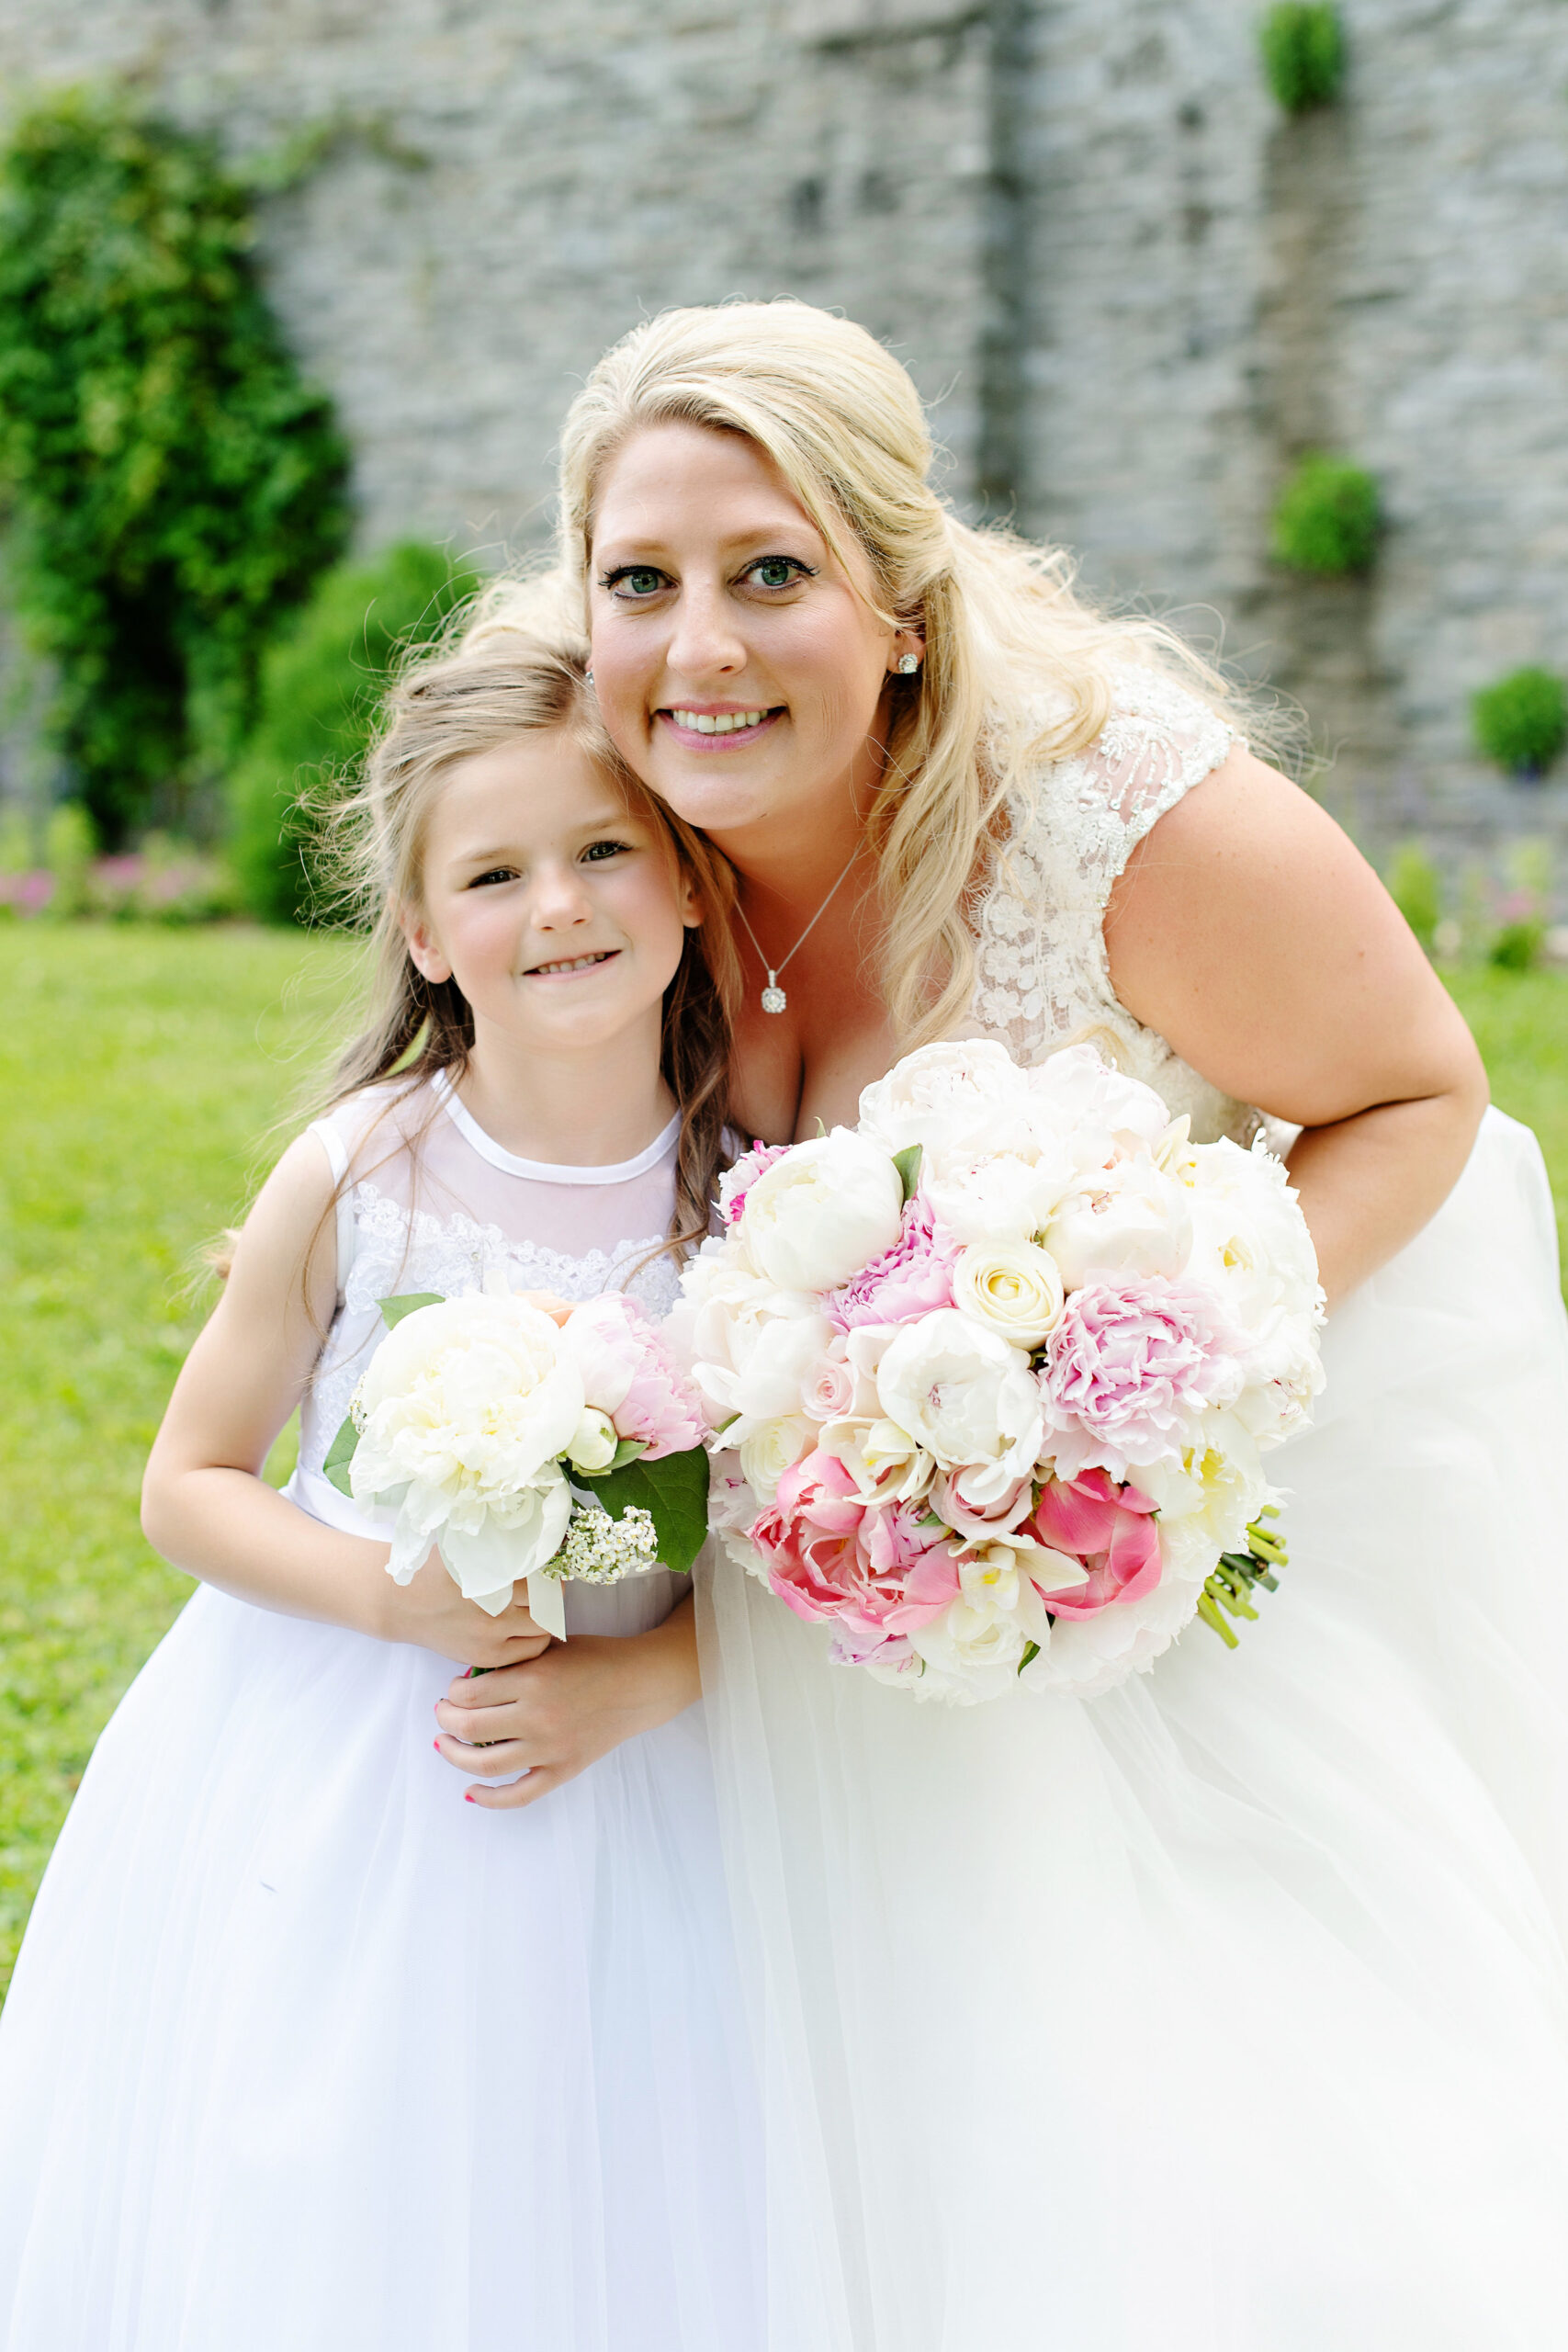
[
  {"x": 557, "y": 1714},
  {"x": 430, "y": 1612}
]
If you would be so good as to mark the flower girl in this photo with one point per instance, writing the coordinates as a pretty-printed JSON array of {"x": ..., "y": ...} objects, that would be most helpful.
[{"x": 303, "y": 2050}]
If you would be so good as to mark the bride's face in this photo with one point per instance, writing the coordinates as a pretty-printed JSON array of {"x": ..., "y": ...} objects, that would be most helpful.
[{"x": 741, "y": 670}]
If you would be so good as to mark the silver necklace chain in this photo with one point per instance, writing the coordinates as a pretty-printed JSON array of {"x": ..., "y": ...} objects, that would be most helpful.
[{"x": 773, "y": 997}]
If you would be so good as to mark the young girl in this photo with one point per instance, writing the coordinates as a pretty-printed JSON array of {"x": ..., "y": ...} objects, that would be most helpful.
[{"x": 303, "y": 2050}]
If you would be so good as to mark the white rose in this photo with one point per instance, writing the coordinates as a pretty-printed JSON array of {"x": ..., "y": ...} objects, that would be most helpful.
[
  {"x": 817, "y": 1216},
  {"x": 1013, "y": 1288},
  {"x": 1139, "y": 1223},
  {"x": 771, "y": 1449},
  {"x": 594, "y": 1441},
  {"x": 967, "y": 1397}
]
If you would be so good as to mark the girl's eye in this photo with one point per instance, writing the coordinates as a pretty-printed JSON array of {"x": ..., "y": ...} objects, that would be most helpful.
[
  {"x": 596, "y": 852},
  {"x": 632, "y": 580},
  {"x": 496, "y": 874},
  {"x": 778, "y": 570}
]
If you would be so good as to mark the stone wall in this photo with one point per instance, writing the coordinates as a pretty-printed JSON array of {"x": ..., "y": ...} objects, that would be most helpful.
[{"x": 1132, "y": 292}]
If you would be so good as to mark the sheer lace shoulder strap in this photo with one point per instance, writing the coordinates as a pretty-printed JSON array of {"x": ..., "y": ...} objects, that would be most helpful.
[{"x": 340, "y": 1134}]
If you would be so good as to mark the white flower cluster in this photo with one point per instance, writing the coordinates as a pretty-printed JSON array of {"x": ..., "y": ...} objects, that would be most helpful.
[
  {"x": 998, "y": 1433},
  {"x": 601, "y": 1550}
]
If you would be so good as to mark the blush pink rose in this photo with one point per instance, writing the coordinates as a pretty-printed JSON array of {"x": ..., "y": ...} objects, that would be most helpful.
[
  {"x": 1110, "y": 1529},
  {"x": 980, "y": 1521},
  {"x": 910, "y": 1279},
  {"x": 1130, "y": 1368}
]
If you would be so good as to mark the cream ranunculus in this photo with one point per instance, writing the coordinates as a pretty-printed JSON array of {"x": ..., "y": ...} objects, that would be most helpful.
[
  {"x": 967, "y": 1397},
  {"x": 1013, "y": 1288},
  {"x": 817, "y": 1216},
  {"x": 466, "y": 1407}
]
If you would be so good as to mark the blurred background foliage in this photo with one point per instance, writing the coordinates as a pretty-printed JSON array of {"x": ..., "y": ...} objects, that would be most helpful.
[{"x": 172, "y": 483}]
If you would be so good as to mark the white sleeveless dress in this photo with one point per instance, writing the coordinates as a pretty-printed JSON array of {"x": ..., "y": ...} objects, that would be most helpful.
[
  {"x": 1228, "y": 2012},
  {"x": 305, "y": 2054}
]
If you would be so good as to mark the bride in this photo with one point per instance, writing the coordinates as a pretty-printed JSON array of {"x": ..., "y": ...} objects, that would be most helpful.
[{"x": 1226, "y": 2013}]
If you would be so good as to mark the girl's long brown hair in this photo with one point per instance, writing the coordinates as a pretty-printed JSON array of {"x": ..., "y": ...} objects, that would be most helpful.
[{"x": 455, "y": 705}]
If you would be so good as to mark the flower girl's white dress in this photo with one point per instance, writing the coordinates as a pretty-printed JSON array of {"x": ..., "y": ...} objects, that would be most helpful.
[
  {"x": 1226, "y": 2013},
  {"x": 305, "y": 2054}
]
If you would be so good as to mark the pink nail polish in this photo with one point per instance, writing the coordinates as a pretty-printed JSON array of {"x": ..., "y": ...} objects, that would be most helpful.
[
  {"x": 436, "y": 1745},
  {"x": 467, "y": 1796}
]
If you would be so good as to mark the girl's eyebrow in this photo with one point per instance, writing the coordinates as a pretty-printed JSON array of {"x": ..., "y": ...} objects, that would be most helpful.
[{"x": 608, "y": 819}]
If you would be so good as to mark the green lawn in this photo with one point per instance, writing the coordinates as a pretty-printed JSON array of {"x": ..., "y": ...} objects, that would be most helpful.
[{"x": 141, "y": 1072}]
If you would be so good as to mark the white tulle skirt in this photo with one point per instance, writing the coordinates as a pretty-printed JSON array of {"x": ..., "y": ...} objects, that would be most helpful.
[
  {"x": 305, "y": 2054},
  {"x": 1229, "y": 2012}
]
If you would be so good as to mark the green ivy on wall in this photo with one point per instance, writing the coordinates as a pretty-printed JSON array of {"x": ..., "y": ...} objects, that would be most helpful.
[
  {"x": 1303, "y": 54},
  {"x": 171, "y": 486},
  {"x": 1327, "y": 518}
]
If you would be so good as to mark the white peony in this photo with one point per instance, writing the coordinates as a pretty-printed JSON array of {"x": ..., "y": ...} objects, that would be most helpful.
[
  {"x": 1252, "y": 1247},
  {"x": 997, "y": 1196},
  {"x": 602, "y": 1337},
  {"x": 959, "y": 1100},
  {"x": 819, "y": 1215},
  {"x": 1108, "y": 1114},
  {"x": 973, "y": 1651},
  {"x": 966, "y": 1396},
  {"x": 1136, "y": 1221},
  {"x": 1013, "y": 1288},
  {"x": 594, "y": 1441},
  {"x": 466, "y": 1407}
]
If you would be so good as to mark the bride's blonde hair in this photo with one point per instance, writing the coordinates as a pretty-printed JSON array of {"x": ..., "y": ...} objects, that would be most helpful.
[{"x": 1018, "y": 667}]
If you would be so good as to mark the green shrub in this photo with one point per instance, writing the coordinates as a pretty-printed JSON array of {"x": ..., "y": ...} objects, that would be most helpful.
[
  {"x": 1521, "y": 722},
  {"x": 1415, "y": 887},
  {"x": 173, "y": 485},
  {"x": 1303, "y": 55},
  {"x": 320, "y": 686},
  {"x": 67, "y": 855},
  {"x": 1326, "y": 521}
]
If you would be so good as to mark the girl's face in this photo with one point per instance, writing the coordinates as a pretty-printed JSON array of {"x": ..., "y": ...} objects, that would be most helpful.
[
  {"x": 560, "y": 911},
  {"x": 715, "y": 597}
]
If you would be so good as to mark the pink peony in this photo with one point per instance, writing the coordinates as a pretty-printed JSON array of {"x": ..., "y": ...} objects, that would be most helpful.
[
  {"x": 738, "y": 1181},
  {"x": 1109, "y": 1529},
  {"x": 661, "y": 1407},
  {"x": 1131, "y": 1367},
  {"x": 911, "y": 1278},
  {"x": 874, "y": 1572}
]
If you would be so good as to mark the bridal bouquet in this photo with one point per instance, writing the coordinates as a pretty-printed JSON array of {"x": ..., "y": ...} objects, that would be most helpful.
[
  {"x": 527, "y": 1444},
  {"x": 993, "y": 1373}
]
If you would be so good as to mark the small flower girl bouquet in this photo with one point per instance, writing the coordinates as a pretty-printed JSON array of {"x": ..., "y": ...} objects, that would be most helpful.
[
  {"x": 995, "y": 1370},
  {"x": 526, "y": 1445}
]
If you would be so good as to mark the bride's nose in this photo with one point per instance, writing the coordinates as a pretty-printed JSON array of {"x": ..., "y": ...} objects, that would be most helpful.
[{"x": 704, "y": 642}]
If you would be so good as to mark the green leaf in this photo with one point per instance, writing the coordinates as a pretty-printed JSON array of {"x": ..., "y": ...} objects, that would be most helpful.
[
  {"x": 1030, "y": 1652},
  {"x": 628, "y": 1451},
  {"x": 674, "y": 1489},
  {"x": 340, "y": 1453},
  {"x": 394, "y": 1309},
  {"x": 907, "y": 1163}
]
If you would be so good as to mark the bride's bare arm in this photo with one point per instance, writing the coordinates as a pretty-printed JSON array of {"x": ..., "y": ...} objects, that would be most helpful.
[{"x": 1249, "y": 932}]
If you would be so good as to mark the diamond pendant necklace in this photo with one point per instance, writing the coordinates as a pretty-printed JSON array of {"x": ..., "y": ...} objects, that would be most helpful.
[{"x": 773, "y": 997}]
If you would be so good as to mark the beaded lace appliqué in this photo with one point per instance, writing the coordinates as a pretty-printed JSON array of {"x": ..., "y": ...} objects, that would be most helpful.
[{"x": 1042, "y": 971}]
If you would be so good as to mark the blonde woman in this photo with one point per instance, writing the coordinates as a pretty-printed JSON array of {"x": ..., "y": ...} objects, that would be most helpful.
[{"x": 1225, "y": 2014}]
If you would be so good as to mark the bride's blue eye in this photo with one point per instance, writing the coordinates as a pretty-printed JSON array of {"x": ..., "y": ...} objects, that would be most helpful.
[
  {"x": 779, "y": 571},
  {"x": 631, "y": 580}
]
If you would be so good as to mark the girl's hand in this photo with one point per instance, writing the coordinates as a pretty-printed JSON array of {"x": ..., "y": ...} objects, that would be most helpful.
[
  {"x": 430, "y": 1612},
  {"x": 561, "y": 1712}
]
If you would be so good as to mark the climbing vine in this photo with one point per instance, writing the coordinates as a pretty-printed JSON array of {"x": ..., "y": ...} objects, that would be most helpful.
[{"x": 170, "y": 483}]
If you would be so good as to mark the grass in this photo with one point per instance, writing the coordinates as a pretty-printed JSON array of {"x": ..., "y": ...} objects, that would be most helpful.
[{"x": 141, "y": 1070}]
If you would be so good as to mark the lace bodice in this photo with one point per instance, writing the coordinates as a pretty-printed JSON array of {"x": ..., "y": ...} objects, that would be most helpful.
[
  {"x": 428, "y": 1202},
  {"x": 1043, "y": 974}
]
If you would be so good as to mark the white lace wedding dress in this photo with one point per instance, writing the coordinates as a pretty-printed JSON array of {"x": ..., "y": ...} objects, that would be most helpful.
[
  {"x": 305, "y": 2054},
  {"x": 1226, "y": 2013}
]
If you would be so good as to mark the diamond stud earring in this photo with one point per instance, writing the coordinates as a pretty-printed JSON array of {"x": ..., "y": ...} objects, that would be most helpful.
[
  {"x": 908, "y": 664},
  {"x": 587, "y": 677}
]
